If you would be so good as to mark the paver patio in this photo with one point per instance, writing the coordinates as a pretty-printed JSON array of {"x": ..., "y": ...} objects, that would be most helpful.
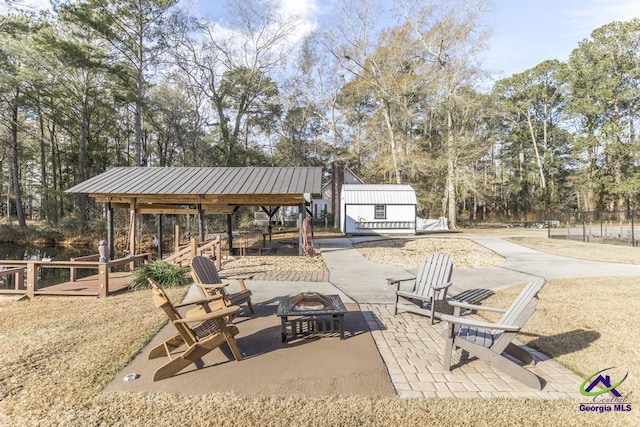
[{"x": 412, "y": 349}]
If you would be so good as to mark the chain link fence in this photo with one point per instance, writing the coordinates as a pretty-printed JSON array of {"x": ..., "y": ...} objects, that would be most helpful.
[{"x": 595, "y": 227}]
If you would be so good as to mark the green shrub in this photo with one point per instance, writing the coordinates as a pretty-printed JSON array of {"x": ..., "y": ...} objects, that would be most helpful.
[{"x": 167, "y": 274}]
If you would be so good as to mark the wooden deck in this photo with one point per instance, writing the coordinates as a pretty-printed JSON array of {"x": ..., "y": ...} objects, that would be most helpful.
[{"x": 88, "y": 286}]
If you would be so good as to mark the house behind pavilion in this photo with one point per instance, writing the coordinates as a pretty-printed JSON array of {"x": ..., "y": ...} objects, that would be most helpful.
[{"x": 325, "y": 204}]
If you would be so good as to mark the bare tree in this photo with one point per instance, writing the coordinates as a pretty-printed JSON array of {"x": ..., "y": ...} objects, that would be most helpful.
[{"x": 234, "y": 65}]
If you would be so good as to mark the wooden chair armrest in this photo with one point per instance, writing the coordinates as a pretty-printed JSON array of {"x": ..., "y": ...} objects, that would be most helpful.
[
  {"x": 398, "y": 281},
  {"x": 453, "y": 320},
  {"x": 461, "y": 304},
  {"x": 442, "y": 286},
  {"x": 201, "y": 301},
  {"x": 241, "y": 280},
  {"x": 394, "y": 281},
  {"x": 213, "y": 286},
  {"x": 217, "y": 314},
  {"x": 241, "y": 277}
]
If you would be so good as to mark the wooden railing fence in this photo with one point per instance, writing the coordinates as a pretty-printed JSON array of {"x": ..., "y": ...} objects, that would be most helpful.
[
  {"x": 30, "y": 287},
  {"x": 211, "y": 248}
]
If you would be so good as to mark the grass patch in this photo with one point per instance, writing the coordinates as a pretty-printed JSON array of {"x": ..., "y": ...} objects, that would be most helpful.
[
  {"x": 409, "y": 253},
  {"x": 583, "y": 324},
  {"x": 574, "y": 249}
]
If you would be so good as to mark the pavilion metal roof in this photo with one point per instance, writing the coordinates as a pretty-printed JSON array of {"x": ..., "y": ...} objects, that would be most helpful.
[{"x": 207, "y": 185}]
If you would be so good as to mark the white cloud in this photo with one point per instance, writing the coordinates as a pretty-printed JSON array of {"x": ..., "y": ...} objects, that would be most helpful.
[
  {"x": 609, "y": 10},
  {"x": 597, "y": 13},
  {"x": 303, "y": 11}
]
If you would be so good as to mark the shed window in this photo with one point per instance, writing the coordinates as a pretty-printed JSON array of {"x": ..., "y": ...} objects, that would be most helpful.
[{"x": 380, "y": 212}]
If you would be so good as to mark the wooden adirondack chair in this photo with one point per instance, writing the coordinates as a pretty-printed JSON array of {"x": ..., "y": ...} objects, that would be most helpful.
[
  {"x": 205, "y": 275},
  {"x": 488, "y": 341},
  {"x": 431, "y": 284},
  {"x": 201, "y": 330}
]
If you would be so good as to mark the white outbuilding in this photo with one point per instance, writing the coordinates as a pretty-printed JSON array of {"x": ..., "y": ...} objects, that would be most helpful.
[{"x": 378, "y": 209}]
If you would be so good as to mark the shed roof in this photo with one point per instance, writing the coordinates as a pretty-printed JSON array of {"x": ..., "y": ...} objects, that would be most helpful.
[
  {"x": 214, "y": 187},
  {"x": 388, "y": 194}
]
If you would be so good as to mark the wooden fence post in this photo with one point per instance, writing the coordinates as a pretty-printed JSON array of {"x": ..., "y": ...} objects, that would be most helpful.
[
  {"x": 18, "y": 279},
  {"x": 73, "y": 273},
  {"x": 219, "y": 253},
  {"x": 103, "y": 279},
  {"x": 32, "y": 279},
  {"x": 194, "y": 248}
]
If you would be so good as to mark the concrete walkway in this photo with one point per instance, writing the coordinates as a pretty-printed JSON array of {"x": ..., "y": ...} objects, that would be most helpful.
[
  {"x": 365, "y": 281},
  {"x": 411, "y": 347},
  {"x": 523, "y": 265}
]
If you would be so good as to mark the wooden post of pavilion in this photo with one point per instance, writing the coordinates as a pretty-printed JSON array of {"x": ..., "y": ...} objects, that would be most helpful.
[
  {"x": 110, "y": 233},
  {"x": 176, "y": 236},
  {"x": 301, "y": 209},
  {"x": 132, "y": 230},
  {"x": 200, "y": 223},
  {"x": 159, "y": 236},
  {"x": 230, "y": 233}
]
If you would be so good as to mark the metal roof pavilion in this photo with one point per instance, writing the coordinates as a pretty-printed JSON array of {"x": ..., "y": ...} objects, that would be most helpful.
[
  {"x": 200, "y": 190},
  {"x": 215, "y": 189}
]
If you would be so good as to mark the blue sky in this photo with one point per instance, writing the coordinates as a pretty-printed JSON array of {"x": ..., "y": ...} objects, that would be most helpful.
[{"x": 525, "y": 32}]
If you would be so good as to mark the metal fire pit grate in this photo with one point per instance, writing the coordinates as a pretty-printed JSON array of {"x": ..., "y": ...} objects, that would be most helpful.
[
  {"x": 313, "y": 314},
  {"x": 311, "y": 301}
]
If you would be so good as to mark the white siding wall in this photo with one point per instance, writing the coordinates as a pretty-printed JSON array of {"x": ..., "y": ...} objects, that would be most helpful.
[{"x": 365, "y": 213}]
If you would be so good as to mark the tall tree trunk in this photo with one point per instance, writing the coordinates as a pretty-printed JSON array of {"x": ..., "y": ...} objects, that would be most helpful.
[
  {"x": 619, "y": 157},
  {"x": 543, "y": 182},
  {"x": 54, "y": 174},
  {"x": 45, "y": 193},
  {"x": 392, "y": 142},
  {"x": 450, "y": 191},
  {"x": 82, "y": 157},
  {"x": 61, "y": 206},
  {"x": 137, "y": 125},
  {"x": 15, "y": 171}
]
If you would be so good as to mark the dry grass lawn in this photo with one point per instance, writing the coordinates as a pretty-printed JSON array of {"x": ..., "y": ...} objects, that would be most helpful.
[
  {"x": 58, "y": 354},
  {"x": 585, "y": 324},
  {"x": 408, "y": 253},
  {"x": 253, "y": 264},
  {"x": 576, "y": 249}
]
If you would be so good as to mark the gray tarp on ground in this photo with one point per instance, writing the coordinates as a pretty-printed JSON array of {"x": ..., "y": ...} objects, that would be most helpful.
[{"x": 432, "y": 224}]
